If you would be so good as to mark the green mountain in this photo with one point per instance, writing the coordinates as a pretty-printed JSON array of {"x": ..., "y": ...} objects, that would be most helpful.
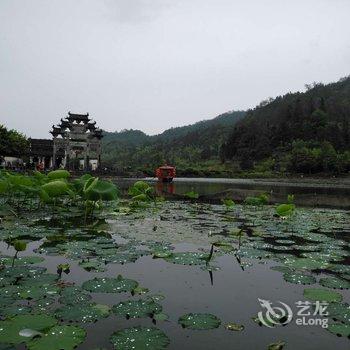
[
  {"x": 186, "y": 147},
  {"x": 299, "y": 132}
]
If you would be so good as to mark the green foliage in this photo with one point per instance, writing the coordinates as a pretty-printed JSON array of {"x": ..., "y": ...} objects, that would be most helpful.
[
  {"x": 100, "y": 190},
  {"x": 262, "y": 199},
  {"x": 141, "y": 191},
  {"x": 188, "y": 147},
  {"x": 229, "y": 203},
  {"x": 54, "y": 189},
  {"x": 192, "y": 195},
  {"x": 301, "y": 132},
  {"x": 58, "y": 174},
  {"x": 285, "y": 210},
  {"x": 12, "y": 143}
]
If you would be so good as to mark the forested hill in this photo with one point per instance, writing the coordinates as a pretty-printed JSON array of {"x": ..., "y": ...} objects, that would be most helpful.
[
  {"x": 299, "y": 132},
  {"x": 184, "y": 146}
]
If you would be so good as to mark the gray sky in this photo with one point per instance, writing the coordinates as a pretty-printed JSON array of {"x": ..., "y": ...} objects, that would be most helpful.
[{"x": 153, "y": 64}]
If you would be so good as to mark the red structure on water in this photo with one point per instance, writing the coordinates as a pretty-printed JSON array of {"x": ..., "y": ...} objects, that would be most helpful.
[{"x": 165, "y": 173}]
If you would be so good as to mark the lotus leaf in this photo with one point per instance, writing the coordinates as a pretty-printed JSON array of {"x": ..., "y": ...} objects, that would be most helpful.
[
  {"x": 58, "y": 174},
  {"x": 307, "y": 264},
  {"x": 285, "y": 210},
  {"x": 234, "y": 327},
  {"x": 38, "y": 291},
  {"x": 137, "y": 308},
  {"x": 110, "y": 285},
  {"x": 299, "y": 278},
  {"x": 276, "y": 346},
  {"x": 339, "y": 329},
  {"x": 335, "y": 283},
  {"x": 82, "y": 312},
  {"x": 339, "y": 311},
  {"x": 101, "y": 190},
  {"x": 13, "y": 310},
  {"x": 140, "y": 338},
  {"x": 22, "y": 260},
  {"x": 318, "y": 294},
  {"x": 199, "y": 321},
  {"x": 9, "y": 329},
  {"x": 54, "y": 189},
  {"x": 187, "y": 258},
  {"x": 58, "y": 338},
  {"x": 74, "y": 295},
  {"x": 161, "y": 317}
]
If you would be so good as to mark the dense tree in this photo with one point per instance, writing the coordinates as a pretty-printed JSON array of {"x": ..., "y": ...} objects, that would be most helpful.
[
  {"x": 183, "y": 146},
  {"x": 12, "y": 143},
  {"x": 310, "y": 129}
]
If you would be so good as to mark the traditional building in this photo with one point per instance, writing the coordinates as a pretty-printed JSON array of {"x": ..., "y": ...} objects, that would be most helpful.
[{"x": 76, "y": 145}]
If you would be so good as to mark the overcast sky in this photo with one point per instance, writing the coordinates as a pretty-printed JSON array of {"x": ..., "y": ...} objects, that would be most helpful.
[{"x": 153, "y": 64}]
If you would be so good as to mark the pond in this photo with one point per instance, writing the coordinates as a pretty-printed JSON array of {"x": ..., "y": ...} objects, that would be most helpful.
[
  {"x": 331, "y": 193},
  {"x": 204, "y": 274}
]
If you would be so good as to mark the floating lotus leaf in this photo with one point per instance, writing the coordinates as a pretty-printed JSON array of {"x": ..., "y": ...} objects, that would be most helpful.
[
  {"x": 339, "y": 311},
  {"x": 318, "y": 294},
  {"x": 45, "y": 278},
  {"x": 234, "y": 327},
  {"x": 58, "y": 338},
  {"x": 310, "y": 248},
  {"x": 6, "y": 347},
  {"x": 9, "y": 329},
  {"x": 140, "y": 338},
  {"x": 38, "y": 292},
  {"x": 137, "y": 308},
  {"x": 156, "y": 297},
  {"x": 11, "y": 291},
  {"x": 307, "y": 264},
  {"x": 13, "y": 310},
  {"x": 82, "y": 312},
  {"x": 340, "y": 268},
  {"x": 284, "y": 269},
  {"x": 122, "y": 258},
  {"x": 339, "y": 329},
  {"x": 187, "y": 258},
  {"x": 299, "y": 278},
  {"x": 74, "y": 295},
  {"x": 6, "y": 281},
  {"x": 161, "y": 317},
  {"x": 22, "y": 260},
  {"x": 252, "y": 253},
  {"x": 43, "y": 305},
  {"x": 284, "y": 241},
  {"x": 140, "y": 290},
  {"x": 335, "y": 283},
  {"x": 199, "y": 321},
  {"x": 162, "y": 254},
  {"x": 324, "y": 256},
  {"x": 93, "y": 266},
  {"x": 110, "y": 285},
  {"x": 276, "y": 346}
]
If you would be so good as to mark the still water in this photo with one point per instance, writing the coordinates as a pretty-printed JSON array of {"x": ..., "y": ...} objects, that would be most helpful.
[
  {"x": 230, "y": 289},
  {"x": 314, "y": 193}
]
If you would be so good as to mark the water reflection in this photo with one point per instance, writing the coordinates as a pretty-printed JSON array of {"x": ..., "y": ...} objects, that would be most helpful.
[{"x": 316, "y": 194}]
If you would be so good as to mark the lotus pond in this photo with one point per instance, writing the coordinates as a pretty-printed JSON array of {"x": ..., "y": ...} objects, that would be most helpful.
[{"x": 82, "y": 268}]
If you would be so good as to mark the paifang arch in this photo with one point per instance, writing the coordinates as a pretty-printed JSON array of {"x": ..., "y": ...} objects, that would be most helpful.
[{"x": 76, "y": 143}]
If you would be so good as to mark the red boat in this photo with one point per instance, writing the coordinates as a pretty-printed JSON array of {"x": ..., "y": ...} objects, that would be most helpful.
[{"x": 165, "y": 173}]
